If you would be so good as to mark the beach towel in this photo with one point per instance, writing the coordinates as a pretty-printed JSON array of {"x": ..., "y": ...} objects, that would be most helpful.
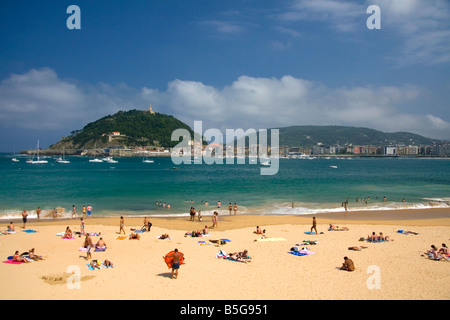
[
  {"x": 376, "y": 241},
  {"x": 100, "y": 249},
  {"x": 140, "y": 231},
  {"x": 406, "y": 232},
  {"x": 297, "y": 253},
  {"x": 91, "y": 268},
  {"x": 312, "y": 233},
  {"x": 68, "y": 238},
  {"x": 271, "y": 239},
  {"x": 226, "y": 240},
  {"x": 121, "y": 237},
  {"x": 12, "y": 262},
  {"x": 310, "y": 242},
  {"x": 218, "y": 242},
  {"x": 221, "y": 255},
  {"x": 29, "y": 231}
]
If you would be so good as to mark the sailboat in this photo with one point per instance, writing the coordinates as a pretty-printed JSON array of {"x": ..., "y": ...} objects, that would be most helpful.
[
  {"x": 145, "y": 160},
  {"x": 38, "y": 160},
  {"x": 95, "y": 159},
  {"x": 62, "y": 159}
]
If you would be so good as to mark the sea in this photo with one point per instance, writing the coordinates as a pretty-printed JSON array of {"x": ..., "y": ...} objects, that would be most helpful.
[{"x": 131, "y": 187}]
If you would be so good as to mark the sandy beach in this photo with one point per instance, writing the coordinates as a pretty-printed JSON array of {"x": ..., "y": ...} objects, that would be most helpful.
[{"x": 389, "y": 270}]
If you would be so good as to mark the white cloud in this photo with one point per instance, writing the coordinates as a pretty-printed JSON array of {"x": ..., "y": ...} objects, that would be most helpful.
[
  {"x": 39, "y": 99},
  {"x": 420, "y": 27}
]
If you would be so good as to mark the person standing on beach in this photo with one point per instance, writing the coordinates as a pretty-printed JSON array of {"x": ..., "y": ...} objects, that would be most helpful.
[
  {"x": 74, "y": 213},
  {"x": 122, "y": 224},
  {"x": 89, "y": 210},
  {"x": 235, "y": 208},
  {"x": 38, "y": 212},
  {"x": 81, "y": 226},
  {"x": 214, "y": 219},
  {"x": 314, "y": 226},
  {"x": 24, "y": 218},
  {"x": 230, "y": 207},
  {"x": 176, "y": 262},
  {"x": 84, "y": 211}
]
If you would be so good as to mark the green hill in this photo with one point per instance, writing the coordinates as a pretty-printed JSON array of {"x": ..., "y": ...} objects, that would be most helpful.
[
  {"x": 136, "y": 128},
  {"x": 309, "y": 136}
]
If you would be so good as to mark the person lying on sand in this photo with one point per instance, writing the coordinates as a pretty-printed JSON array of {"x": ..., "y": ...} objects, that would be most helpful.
[
  {"x": 94, "y": 264},
  {"x": 348, "y": 265},
  {"x": 357, "y": 248},
  {"x": 134, "y": 236},
  {"x": 108, "y": 264},
  {"x": 240, "y": 256},
  {"x": 337, "y": 228},
  {"x": 164, "y": 236}
]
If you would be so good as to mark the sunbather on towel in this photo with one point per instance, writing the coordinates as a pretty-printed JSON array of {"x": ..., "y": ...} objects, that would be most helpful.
[
  {"x": 34, "y": 256},
  {"x": 240, "y": 256},
  {"x": 134, "y": 236},
  {"x": 18, "y": 258},
  {"x": 68, "y": 234},
  {"x": 108, "y": 264},
  {"x": 94, "y": 264},
  {"x": 357, "y": 248},
  {"x": 101, "y": 244},
  {"x": 337, "y": 228}
]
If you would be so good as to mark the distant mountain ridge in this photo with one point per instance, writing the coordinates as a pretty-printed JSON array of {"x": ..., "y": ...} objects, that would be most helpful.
[{"x": 309, "y": 136}]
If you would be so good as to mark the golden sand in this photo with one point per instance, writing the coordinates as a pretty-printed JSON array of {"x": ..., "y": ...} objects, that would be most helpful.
[{"x": 389, "y": 270}]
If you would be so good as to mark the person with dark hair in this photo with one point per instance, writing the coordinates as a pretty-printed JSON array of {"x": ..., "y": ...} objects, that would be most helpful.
[
  {"x": 177, "y": 256},
  {"x": 348, "y": 264}
]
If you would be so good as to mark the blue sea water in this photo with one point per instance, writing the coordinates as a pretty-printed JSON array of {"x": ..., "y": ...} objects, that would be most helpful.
[{"x": 131, "y": 187}]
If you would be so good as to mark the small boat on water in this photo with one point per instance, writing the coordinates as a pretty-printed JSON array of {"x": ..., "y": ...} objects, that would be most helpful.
[
  {"x": 145, "y": 160},
  {"x": 110, "y": 160},
  {"x": 15, "y": 159},
  {"x": 38, "y": 160},
  {"x": 62, "y": 159}
]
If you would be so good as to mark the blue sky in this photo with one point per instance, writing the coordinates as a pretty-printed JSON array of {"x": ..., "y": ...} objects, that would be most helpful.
[{"x": 232, "y": 64}]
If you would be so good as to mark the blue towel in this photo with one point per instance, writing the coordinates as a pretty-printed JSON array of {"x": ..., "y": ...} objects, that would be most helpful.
[
  {"x": 29, "y": 231},
  {"x": 296, "y": 253}
]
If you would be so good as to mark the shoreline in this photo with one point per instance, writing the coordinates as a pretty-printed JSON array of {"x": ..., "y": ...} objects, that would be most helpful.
[{"x": 409, "y": 217}]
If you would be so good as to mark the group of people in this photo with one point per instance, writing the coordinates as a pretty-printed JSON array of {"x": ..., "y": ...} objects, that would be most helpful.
[
  {"x": 26, "y": 256},
  {"x": 86, "y": 211},
  {"x": 441, "y": 254},
  {"x": 374, "y": 237}
]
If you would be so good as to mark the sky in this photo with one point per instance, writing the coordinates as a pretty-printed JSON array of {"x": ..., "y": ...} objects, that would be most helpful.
[{"x": 248, "y": 64}]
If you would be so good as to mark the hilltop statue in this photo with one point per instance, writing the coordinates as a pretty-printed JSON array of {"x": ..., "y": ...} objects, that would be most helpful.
[{"x": 151, "y": 110}]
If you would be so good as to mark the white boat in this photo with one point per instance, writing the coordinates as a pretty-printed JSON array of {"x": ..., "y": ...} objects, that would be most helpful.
[
  {"x": 62, "y": 159},
  {"x": 15, "y": 159},
  {"x": 109, "y": 160},
  {"x": 95, "y": 159},
  {"x": 38, "y": 160},
  {"x": 334, "y": 167},
  {"x": 265, "y": 163},
  {"x": 145, "y": 160}
]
